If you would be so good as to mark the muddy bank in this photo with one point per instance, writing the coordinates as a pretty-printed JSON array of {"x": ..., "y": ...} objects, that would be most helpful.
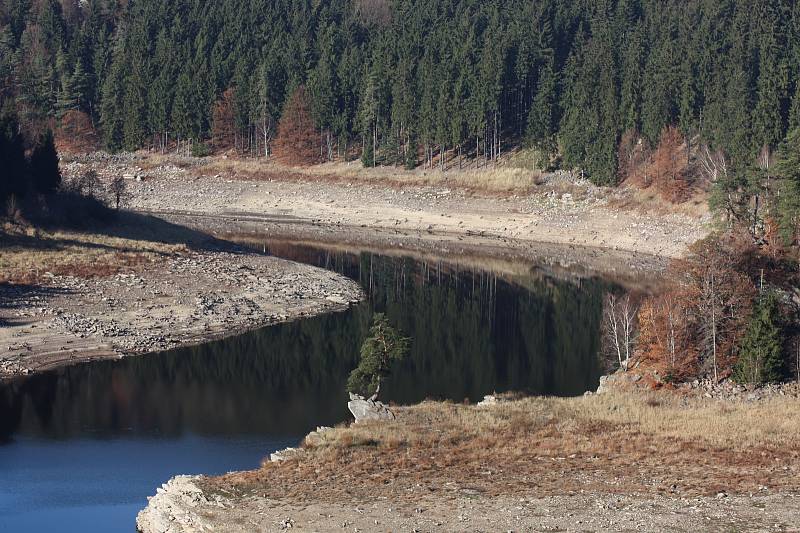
[{"x": 178, "y": 301}]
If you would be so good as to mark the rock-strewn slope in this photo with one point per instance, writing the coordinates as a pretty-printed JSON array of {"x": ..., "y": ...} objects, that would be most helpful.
[{"x": 556, "y": 208}]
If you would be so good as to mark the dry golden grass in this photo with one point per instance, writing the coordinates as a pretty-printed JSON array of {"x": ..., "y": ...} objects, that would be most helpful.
[
  {"x": 500, "y": 179},
  {"x": 28, "y": 254},
  {"x": 772, "y": 422},
  {"x": 650, "y": 201},
  {"x": 613, "y": 443}
]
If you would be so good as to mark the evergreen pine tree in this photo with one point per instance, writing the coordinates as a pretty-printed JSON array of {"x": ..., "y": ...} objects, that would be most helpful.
[
  {"x": 111, "y": 117},
  {"x": 761, "y": 349},
  {"x": 384, "y": 347},
  {"x": 68, "y": 96},
  {"x": 44, "y": 171},
  {"x": 14, "y": 176},
  {"x": 541, "y": 117},
  {"x": 794, "y": 110},
  {"x": 81, "y": 86},
  {"x": 135, "y": 128},
  {"x": 6, "y": 55},
  {"x": 772, "y": 84},
  {"x": 788, "y": 171},
  {"x": 185, "y": 112}
]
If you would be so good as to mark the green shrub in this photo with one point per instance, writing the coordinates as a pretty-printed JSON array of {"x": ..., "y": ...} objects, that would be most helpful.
[{"x": 201, "y": 150}]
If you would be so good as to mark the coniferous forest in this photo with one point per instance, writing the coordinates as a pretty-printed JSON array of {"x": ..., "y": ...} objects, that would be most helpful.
[{"x": 408, "y": 79}]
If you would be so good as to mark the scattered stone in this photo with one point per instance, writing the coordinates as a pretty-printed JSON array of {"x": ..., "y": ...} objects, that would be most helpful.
[
  {"x": 282, "y": 455},
  {"x": 488, "y": 400},
  {"x": 316, "y": 438}
]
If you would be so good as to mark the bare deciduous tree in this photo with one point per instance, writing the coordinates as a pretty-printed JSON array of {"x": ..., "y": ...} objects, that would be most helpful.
[
  {"x": 86, "y": 184},
  {"x": 714, "y": 168},
  {"x": 713, "y": 165},
  {"x": 118, "y": 191},
  {"x": 620, "y": 328}
]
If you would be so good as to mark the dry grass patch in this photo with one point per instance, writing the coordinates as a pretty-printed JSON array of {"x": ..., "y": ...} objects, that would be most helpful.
[
  {"x": 649, "y": 201},
  {"x": 30, "y": 256},
  {"x": 491, "y": 179},
  {"x": 608, "y": 444},
  {"x": 772, "y": 422}
]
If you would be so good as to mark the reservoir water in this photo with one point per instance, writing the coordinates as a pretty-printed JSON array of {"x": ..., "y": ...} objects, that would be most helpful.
[{"x": 82, "y": 447}]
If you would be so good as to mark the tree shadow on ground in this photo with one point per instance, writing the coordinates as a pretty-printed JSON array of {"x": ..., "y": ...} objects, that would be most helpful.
[
  {"x": 127, "y": 225},
  {"x": 143, "y": 227},
  {"x": 14, "y": 296}
]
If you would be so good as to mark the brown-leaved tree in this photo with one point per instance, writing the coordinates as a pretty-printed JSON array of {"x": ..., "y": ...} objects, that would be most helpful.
[{"x": 297, "y": 142}]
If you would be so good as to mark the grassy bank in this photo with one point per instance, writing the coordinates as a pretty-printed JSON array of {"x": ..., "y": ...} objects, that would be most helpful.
[{"x": 617, "y": 443}]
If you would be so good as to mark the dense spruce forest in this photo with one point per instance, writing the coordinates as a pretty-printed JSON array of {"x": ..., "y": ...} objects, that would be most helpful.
[{"x": 412, "y": 77}]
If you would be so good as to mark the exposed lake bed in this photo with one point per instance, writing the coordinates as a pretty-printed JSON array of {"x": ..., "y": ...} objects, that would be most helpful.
[
  {"x": 210, "y": 290},
  {"x": 477, "y": 332},
  {"x": 488, "y": 313}
]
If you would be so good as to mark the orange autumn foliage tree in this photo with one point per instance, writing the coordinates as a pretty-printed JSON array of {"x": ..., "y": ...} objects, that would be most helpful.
[
  {"x": 664, "y": 336},
  {"x": 297, "y": 142},
  {"x": 75, "y": 133},
  {"x": 632, "y": 156},
  {"x": 669, "y": 165},
  {"x": 666, "y": 168},
  {"x": 223, "y": 126},
  {"x": 695, "y": 326}
]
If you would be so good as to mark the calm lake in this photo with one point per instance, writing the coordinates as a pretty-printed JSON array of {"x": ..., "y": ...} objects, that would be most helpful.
[{"x": 82, "y": 447}]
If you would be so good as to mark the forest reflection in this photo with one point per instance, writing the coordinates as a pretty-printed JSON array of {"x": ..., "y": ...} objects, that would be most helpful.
[{"x": 474, "y": 332}]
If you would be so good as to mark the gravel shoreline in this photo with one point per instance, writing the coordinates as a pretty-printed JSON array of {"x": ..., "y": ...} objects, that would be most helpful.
[
  {"x": 183, "y": 505},
  {"x": 179, "y": 301}
]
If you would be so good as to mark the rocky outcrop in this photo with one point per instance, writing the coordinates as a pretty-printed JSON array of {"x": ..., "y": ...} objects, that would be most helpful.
[
  {"x": 316, "y": 438},
  {"x": 366, "y": 409},
  {"x": 172, "y": 509},
  {"x": 624, "y": 381}
]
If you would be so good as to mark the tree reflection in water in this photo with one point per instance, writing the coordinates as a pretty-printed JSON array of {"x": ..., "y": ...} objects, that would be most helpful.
[{"x": 473, "y": 333}]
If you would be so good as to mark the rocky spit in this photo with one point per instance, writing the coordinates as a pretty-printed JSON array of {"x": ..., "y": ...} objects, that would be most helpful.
[{"x": 179, "y": 301}]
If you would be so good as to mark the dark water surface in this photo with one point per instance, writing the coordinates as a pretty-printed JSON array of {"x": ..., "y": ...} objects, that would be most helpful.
[{"x": 82, "y": 447}]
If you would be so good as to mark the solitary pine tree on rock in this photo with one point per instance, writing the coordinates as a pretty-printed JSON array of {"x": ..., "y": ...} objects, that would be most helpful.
[
  {"x": 760, "y": 357},
  {"x": 44, "y": 170},
  {"x": 384, "y": 346}
]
